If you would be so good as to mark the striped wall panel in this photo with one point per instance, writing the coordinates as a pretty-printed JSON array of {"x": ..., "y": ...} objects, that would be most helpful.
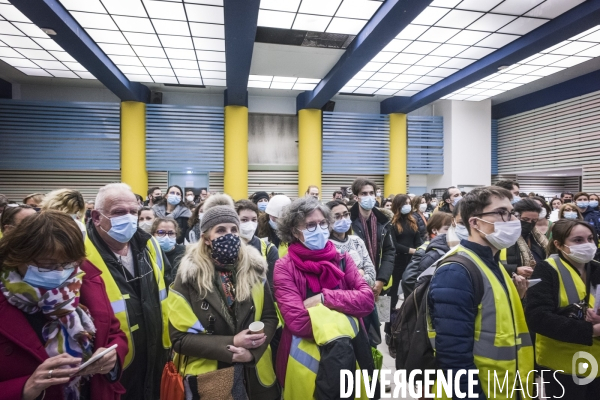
[
  {"x": 590, "y": 181},
  {"x": 549, "y": 186},
  {"x": 157, "y": 178},
  {"x": 215, "y": 182},
  {"x": 494, "y": 147},
  {"x": 355, "y": 143},
  {"x": 184, "y": 138},
  {"x": 425, "y": 145},
  {"x": 18, "y": 184},
  {"x": 558, "y": 136},
  {"x": 49, "y": 136}
]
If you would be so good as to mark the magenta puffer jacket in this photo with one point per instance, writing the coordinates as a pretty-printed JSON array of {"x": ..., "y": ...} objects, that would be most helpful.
[{"x": 354, "y": 297}]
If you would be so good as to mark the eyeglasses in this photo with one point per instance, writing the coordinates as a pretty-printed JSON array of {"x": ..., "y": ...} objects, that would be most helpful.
[
  {"x": 312, "y": 226},
  {"x": 144, "y": 268},
  {"x": 337, "y": 217},
  {"x": 162, "y": 233},
  {"x": 63, "y": 266},
  {"x": 504, "y": 214}
]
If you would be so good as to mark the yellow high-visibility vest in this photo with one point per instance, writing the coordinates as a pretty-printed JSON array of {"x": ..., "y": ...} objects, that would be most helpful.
[
  {"x": 555, "y": 354},
  {"x": 184, "y": 319},
  {"x": 118, "y": 301},
  {"x": 303, "y": 361},
  {"x": 502, "y": 341}
]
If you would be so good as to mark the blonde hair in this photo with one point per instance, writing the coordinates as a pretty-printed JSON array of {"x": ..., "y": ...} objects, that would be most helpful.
[
  {"x": 197, "y": 267},
  {"x": 65, "y": 200}
]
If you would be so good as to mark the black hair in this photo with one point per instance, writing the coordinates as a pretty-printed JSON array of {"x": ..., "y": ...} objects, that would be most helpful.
[
  {"x": 477, "y": 199},
  {"x": 525, "y": 205},
  {"x": 507, "y": 184},
  {"x": 152, "y": 189}
]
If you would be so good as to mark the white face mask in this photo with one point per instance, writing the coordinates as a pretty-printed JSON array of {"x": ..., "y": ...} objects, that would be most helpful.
[
  {"x": 422, "y": 207},
  {"x": 247, "y": 229},
  {"x": 581, "y": 253},
  {"x": 505, "y": 233},
  {"x": 461, "y": 231},
  {"x": 146, "y": 226},
  {"x": 543, "y": 213},
  {"x": 434, "y": 203},
  {"x": 189, "y": 198}
]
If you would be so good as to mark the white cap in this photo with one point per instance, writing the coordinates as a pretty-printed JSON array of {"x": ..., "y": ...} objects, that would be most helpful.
[{"x": 276, "y": 205}]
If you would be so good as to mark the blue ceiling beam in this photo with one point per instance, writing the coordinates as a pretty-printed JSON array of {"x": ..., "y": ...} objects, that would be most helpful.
[
  {"x": 241, "y": 18},
  {"x": 575, "y": 87},
  {"x": 389, "y": 20},
  {"x": 75, "y": 41},
  {"x": 577, "y": 20}
]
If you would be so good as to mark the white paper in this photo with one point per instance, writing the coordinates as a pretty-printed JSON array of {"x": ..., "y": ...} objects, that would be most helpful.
[{"x": 533, "y": 282}]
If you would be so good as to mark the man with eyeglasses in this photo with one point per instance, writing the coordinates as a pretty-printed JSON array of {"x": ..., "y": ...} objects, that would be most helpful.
[
  {"x": 521, "y": 257},
  {"x": 133, "y": 268},
  {"x": 477, "y": 320}
]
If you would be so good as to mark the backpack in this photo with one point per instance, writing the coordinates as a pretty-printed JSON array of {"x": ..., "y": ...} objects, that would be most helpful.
[{"x": 410, "y": 343}]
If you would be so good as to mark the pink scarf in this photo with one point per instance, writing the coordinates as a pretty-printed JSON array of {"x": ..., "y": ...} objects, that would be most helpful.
[{"x": 320, "y": 267}]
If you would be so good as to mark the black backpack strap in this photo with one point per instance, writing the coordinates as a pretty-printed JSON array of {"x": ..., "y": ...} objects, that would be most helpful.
[{"x": 473, "y": 271}]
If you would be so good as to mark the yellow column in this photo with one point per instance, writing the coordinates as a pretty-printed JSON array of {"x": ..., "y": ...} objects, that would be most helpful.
[
  {"x": 310, "y": 140},
  {"x": 133, "y": 146},
  {"x": 236, "y": 152},
  {"x": 395, "y": 181}
]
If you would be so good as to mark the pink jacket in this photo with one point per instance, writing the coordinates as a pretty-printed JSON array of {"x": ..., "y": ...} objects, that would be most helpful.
[{"x": 354, "y": 297}]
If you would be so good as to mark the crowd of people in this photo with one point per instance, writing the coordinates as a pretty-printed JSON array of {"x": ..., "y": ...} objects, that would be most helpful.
[{"x": 270, "y": 297}]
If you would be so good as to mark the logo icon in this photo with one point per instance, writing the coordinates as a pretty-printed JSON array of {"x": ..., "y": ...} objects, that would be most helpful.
[{"x": 588, "y": 368}]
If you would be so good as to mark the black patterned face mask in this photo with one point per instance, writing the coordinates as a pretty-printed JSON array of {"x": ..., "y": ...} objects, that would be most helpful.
[{"x": 225, "y": 249}]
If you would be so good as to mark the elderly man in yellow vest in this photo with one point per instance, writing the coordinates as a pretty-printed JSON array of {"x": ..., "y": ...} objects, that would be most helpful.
[
  {"x": 477, "y": 320},
  {"x": 133, "y": 269}
]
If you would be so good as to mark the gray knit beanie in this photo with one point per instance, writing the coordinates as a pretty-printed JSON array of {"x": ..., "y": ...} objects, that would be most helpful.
[{"x": 218, "y": 209}]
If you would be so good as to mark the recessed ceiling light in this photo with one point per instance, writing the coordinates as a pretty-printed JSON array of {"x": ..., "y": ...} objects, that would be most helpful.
[
  {"x": 503, "y": 67},
  {"x": 49, "y": 31}
]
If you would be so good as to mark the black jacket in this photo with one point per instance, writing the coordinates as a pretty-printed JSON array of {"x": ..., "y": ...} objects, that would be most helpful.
[
  {"x": 386, "y": 249},
  {"x": 142, "y": 377},
  {"x": 434, "y": 251},
  {"x": 542, "y": 303},
  {"x": 422, "y": 225},
  {"x": 514, "y": 259},
  {"x": 272, "y": 257},
  {"x": 174, "y": 256}
]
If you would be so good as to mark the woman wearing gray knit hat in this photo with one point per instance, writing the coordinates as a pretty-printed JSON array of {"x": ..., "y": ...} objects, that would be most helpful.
[{"x": 219, "y": 292}]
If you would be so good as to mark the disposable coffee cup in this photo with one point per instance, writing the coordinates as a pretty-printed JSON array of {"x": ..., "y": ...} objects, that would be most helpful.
[{"x": 257, "y": 327}]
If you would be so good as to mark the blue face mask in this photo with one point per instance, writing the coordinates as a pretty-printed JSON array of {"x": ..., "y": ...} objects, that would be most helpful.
[
  {"x": 273, "y": 224},
  {"x": 583, "y": 204},
  {"x": 461, "y": 231},
  {"x": 456, "y": 200},
  {"x": 367, "y": 202},
  {"x": 46, "y": 280},
  {"x": 263, "y": 206},
  {"x": 173, "y": 199},
  {"x": 405, "y": 209},
  {"x": 593, "y": 203},
  {"x": 122, "y": 228},
  {"x": 570, "y": 215},
  {"x": 342, "y": 225},
  {"x": 316, "y": 240},
  {"x": 166, "y": 243},
  {"x": 515, "y": 199}
]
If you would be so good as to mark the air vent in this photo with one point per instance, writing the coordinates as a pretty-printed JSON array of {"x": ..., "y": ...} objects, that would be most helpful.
[{"x": 292, "y": 37}]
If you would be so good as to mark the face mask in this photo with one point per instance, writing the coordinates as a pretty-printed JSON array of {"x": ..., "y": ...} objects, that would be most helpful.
[
  {"x": 379, "y": 193},
  {"x": 526, "y": 228},
  {"x": 166, "y": 243},
  {"x": 565, "y": 201},
  {"x": 515, "y": 199},
  {"x": 157, "y": 199},
  {"x": 367, "y": 202},
  {"x": 200, "y": 216},
  {"x": 273, "y": 224},
  {"x": 189, "y": 198},
  {"x": 434, "y": 203},
  {"x": 225, "y": 249},
  {"x": 461, "y": 231},
  {"x": 146, "y": 226},
  {"x": 581, "y": 253},
  {"x": 46, "y": 280},
  {"x": 423, "y": 207},
  {"x": 505, "y": 233},
  {"x": 173, "y": 199},
  {"x": 570, "y": 215},
  {"x": 342, "y": 225},
  {"x": 316, "y": 240},
  {"x": 262, "y": 206},
  {"x": 456, "y": 200},
  {"x": 543, "y": 213},
  {"x": 583, "y": 204},
  {"x": 122, "y": 228},
  {"x": 247, "y": 229},
  {"x": 406, "y": 209},
  {"x": 593, "y": 204}
]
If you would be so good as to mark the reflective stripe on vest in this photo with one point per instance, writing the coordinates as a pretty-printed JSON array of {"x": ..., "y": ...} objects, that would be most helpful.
[
  {"x": 118, "y": 301},
  {"x": 555, "y": 354},
  {"x": 503, "y": 257},
  {"x": 501, "y": 339}
]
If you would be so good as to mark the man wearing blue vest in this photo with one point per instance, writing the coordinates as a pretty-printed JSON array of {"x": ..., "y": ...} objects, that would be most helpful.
[
  {"x": 133, "y": 268},
  {"x": 477, "y": 322}
]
